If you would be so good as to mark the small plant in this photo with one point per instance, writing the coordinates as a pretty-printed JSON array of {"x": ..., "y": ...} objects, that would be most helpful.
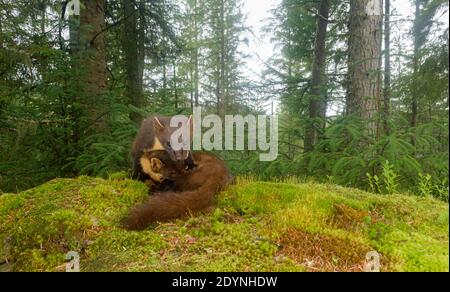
[
  {"x": 331, "y": 179},
  {"x": 387, "y": 183},
  {"x": 374, "y": 183},
  {"x": 390, "y": 178},
  {"x": 440, "y": 191},
  {"x": 425, "y": 185}
]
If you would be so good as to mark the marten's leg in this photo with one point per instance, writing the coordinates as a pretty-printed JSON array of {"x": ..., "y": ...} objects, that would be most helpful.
[{"x": 138, "y": 173}]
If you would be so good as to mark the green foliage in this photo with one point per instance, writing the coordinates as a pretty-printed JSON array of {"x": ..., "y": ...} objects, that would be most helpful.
[
  {"x": 108, "y": 153},
  {"x": 351, "y": 157},
  {"x": 46, "y": 118},
  {"x": 425, "y": 185},
  {"x": 191, "y": 51},
  {"x": 256, "y": 226},
  {"x": 390, "y": 178},
  {"x": 374, "y": 183},
  {"x": 388, "y": 183}
]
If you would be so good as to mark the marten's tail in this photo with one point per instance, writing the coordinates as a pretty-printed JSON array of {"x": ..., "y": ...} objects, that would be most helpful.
[{"x": 169, "y": 205}]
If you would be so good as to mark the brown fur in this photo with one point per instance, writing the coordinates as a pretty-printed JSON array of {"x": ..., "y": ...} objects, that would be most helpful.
[
  {"x": 154, "y": 135},
  {"x": 193, "y": 191},
  {"x": 161, "y": 170}
]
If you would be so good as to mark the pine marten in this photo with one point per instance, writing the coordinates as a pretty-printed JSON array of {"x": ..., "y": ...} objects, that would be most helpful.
[
  {"x": 155, "y": 135},
  {"x": 191, "y": 190},
  {"x": 162, "y": 171}
]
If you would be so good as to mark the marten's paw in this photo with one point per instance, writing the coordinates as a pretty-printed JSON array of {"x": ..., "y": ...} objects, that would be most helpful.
[{"x": 157, "y": 177}]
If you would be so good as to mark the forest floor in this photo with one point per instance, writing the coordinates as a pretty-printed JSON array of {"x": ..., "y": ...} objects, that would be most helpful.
[{"x": 256, "y": 226}]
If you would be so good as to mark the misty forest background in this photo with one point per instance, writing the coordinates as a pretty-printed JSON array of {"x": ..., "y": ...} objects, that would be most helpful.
[{"x": 359, "y": 104}]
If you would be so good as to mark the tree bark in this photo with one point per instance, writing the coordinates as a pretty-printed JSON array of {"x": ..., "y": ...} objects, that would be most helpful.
[
  {"x": 317, "y": 84},
  {"x": 93, "y": 62},
  {"x": 387, "y": 67},
  {"x": 141, "y": 54},
  {"x": 196, "y": 55},
  {"x": 133, "y": 80},
  {"x": 414, "y": 103},
  {"x": 191, "y": 93},
  {"x": 164, "y": 72},
  {"x": 223, "y": 97},
  {"x": 175, "y": 84},
  {"x": 364, "y": 49}
]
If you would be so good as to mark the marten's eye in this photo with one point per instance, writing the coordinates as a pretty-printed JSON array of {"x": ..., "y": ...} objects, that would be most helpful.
[{"x": 168, "y": 144}]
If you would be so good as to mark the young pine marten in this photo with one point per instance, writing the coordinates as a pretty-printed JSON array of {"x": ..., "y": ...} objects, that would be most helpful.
[
  {"x": 191, "y": 190},
  {"x": 161, "y": 170}
]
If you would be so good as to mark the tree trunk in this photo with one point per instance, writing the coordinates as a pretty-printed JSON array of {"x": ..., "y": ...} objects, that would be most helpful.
[
  {"x": 141, "y": 53},
  {"x": 92, "y": 39},
  {"x": 191, "y": 93},
  {"x": 223, "y": 97},
  {"x": 414, "y": 103},
  {"x": 387, "y": 67},
  {"x": 196, "y": 78},
  {"x": 175, "y": 84},
  {"x": 217, "y": 89},
  {"x": 141, "y": 45},
  {"x": 364, "y": 50},
  {"x": 318, "y": 70},
  {"x": 164, "y": 68},
  {"x": 379, "y": 92},
  {"x": 133, "y": 81},
  {"x": 196, "y": 49}
]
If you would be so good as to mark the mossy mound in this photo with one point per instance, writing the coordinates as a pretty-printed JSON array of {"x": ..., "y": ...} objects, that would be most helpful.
[{"x": 257, "y": 226}]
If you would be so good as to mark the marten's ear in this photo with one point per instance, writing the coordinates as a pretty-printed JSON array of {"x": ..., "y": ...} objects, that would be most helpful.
[
  {"x": 158, "y": 124},
  {"x": 156, "y": 164}
]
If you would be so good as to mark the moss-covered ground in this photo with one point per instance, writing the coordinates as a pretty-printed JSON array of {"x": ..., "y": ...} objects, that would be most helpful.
[{"x": 255, "y": 226}]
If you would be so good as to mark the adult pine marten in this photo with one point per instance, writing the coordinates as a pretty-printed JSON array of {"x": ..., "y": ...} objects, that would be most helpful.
[
  {"x": 155, "y": 135},
  {"x": 192, "y": 190}
]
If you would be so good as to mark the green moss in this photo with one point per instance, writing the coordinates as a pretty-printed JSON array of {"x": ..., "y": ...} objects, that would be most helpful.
[
  {"x": 10, "y": 202},
  {"x": 119, "y": 175},
  {"x": 256, "y": 226}
]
